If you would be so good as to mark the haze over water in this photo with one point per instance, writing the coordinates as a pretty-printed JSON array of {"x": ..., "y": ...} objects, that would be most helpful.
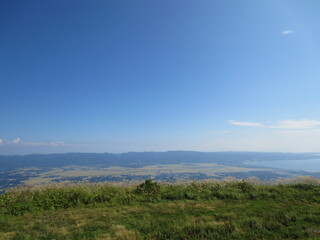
[{"x": 312, "y": 165}]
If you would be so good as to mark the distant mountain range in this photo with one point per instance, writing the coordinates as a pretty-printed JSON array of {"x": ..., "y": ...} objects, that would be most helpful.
[{"x": 140, "y": 159}]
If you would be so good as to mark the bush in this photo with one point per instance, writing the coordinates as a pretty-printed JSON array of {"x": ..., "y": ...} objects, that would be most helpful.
[{"x": 148, "y": 187}]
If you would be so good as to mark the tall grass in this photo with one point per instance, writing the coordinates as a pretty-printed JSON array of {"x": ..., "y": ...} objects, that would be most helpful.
[
  {"x": 227, "y": 209},
  {"x": 62, "y": 196}
]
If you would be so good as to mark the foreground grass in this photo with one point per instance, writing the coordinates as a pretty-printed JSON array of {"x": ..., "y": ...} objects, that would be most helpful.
[{"x": 221, "y": 210}]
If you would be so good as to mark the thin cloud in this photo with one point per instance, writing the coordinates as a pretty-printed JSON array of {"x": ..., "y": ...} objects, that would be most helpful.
[
  {"x": 16, "y": 140},
  {"x": 286, "y": 124},
  {"x": 246, "y": 124},
  {"x": 54, "y": 144},
  {"x": 297, "y": 124},
  {"x": 286, "y": 32}
]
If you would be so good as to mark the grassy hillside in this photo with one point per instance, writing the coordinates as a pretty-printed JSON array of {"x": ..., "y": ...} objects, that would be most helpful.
[{"x": 217, "y": 210}]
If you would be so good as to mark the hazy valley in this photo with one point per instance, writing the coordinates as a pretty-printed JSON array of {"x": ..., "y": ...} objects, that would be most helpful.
[{"x": 174, "y": 166}]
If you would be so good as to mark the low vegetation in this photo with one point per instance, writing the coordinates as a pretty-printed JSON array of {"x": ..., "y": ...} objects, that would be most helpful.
[{"x": 213, "y": 210}]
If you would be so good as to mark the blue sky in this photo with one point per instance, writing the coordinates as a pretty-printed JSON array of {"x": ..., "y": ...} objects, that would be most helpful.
[{"x": 118, "y": 76}]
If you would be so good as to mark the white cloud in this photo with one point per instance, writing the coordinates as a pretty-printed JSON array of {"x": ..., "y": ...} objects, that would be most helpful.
[
  {"x": 55, "y": 144},
  {"x": 286, "y": 32},
  {"x": 16, "y": 140},
  {"x": 285, "y": 124},
  {"x": 297, "y": 124},
  {"x": 246, "y": 124}
]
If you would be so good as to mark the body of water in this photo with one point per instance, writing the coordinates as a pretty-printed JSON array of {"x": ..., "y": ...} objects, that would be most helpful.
[{"x": 312, "y": 165}]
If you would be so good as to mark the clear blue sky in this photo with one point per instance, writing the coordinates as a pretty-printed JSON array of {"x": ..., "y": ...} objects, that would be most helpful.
[{"x": 118, "y": 76}]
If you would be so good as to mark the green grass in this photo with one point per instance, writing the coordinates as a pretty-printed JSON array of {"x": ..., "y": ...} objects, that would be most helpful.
[{"x": 218, "y": 210}]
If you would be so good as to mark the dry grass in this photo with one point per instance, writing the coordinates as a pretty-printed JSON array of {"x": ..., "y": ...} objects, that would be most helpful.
[{"x": 229, "y": 209}]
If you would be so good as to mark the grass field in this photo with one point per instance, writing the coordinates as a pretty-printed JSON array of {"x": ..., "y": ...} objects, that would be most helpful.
[{"x": 216, "y": 210}]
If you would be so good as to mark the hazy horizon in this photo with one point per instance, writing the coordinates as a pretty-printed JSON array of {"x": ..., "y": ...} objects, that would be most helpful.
[{"x": 164, "y": 151}]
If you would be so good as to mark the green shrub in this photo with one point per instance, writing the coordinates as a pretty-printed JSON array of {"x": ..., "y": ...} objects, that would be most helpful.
[{"x": 148, "y": 187}]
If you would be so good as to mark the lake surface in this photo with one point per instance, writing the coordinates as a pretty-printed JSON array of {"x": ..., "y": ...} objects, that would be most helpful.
[{"x": 312, "y": 165}]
